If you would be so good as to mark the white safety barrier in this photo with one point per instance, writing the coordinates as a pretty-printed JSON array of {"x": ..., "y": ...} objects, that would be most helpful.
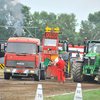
[
  {"x": 78, "y": 93},
  {"x": 39, "y": 93}
]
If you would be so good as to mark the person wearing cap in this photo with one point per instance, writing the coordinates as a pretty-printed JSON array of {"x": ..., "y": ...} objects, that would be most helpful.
[{"x": 60, "y": 67}]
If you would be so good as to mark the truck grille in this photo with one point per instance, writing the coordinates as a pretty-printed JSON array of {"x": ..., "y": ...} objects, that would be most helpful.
[{"x": 16, "y": 63}]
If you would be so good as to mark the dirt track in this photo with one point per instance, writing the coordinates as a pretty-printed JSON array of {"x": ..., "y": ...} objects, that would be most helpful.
[{"x": 25, "y": 89}]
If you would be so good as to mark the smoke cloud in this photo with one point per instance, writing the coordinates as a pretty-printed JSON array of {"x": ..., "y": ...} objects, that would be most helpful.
[{"x": 13, "y": 14}]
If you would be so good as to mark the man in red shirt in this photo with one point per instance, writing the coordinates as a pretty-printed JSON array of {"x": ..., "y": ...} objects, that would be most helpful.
[{"x": 60, "y": 66}]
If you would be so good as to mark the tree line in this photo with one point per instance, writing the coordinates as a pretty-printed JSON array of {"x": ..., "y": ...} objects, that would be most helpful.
[{"x": 17, "y": 20}]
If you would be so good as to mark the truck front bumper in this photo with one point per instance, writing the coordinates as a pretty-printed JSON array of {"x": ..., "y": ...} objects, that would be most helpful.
[{"x": 20, "y": 72}]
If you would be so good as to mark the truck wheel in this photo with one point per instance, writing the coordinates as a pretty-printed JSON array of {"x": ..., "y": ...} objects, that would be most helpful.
[
  {"x": 7, "y": 76},
  {"x": 37, "y": 77},
  {"x": 77, "y": 72},
  {"x": 99, "y": 76},
  {"x": 43, "y": 74}
]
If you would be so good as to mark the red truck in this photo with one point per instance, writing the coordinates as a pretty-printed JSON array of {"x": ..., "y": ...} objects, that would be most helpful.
[{"x": 23, "y": 58}]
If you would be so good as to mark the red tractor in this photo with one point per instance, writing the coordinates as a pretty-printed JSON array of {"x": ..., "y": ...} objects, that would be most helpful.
[
  {"x": 23, "y": 58},
  {"x": 51, "y": 47}
]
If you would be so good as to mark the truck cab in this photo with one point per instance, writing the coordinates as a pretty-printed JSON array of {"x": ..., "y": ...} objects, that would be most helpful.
[{"x": 22, "y": 58}]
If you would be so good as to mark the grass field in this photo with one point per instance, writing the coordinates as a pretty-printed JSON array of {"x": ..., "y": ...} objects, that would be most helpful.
[{"x": 87, "y": 95}]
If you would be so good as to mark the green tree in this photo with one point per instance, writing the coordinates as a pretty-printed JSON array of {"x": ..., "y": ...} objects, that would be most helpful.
[
  {"x": 86, "y": 30},
  {"x": 90, "y": 28},
  {"x": 41, "y": 20},
  {"x": 94, "y": 18},
  {"x": 67, "y": 23}
]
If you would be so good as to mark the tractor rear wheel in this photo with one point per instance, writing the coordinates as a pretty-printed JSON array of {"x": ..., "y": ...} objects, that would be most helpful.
[
  {"x": 66, "y": 69},
  {"x": 99, "y": 75},
  {"x": 68, "y": 74},
  {"x": 77, "y": 72}
]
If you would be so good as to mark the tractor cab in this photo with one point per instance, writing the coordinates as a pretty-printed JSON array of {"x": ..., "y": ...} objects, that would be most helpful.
[
  {"x": 50, "y": 43},
  {"x": 89, "y": 67},
  {"x": 91, "y": 58},
  {"x": 50, "y": 52},
  {"x": 93, "y": 47}
]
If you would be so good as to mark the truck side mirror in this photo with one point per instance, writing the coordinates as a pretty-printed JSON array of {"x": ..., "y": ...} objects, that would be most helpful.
[{"x": 41, "y": 48}]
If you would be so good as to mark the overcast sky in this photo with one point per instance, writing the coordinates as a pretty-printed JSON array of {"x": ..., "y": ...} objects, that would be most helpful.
[{"x": 81, "y": 8}]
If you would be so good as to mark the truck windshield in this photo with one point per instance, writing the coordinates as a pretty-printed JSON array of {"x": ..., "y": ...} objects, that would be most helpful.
[
  {"x": 50, "y": 42},
  {"x": 94, "y": 48},
  {"x": 22, "y": 48}
]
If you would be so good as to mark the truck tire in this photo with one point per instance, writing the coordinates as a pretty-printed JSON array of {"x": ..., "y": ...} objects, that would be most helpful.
[
  {"x": 37, "y": 77},
  {"x": 99, "y": 75},
  {"x": 77, "y": 72},
  {"x": 7, "y": 76},
  {"x": 43, "y": 74}
]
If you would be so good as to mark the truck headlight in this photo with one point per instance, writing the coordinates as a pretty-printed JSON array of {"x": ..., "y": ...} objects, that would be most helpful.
[
  {"x": 31, "y": 71},
  {"x": 8, "y": 70}
]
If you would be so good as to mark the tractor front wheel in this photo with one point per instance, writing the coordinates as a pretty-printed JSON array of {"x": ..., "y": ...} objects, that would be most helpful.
[{"x": 77, "y": 72}]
